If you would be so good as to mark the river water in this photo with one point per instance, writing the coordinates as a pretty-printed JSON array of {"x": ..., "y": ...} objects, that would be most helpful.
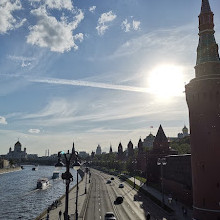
[{"x": 19, "y": 198}]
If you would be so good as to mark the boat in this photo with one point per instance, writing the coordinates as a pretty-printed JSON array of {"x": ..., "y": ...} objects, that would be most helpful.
[
  {"x": 35, "y": 168},
  {"x": 42, "y": 183},
  {"x": 56, "y": 175}
]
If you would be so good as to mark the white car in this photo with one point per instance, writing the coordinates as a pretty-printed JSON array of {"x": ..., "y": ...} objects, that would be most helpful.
[{"x": 109, "y": 216}]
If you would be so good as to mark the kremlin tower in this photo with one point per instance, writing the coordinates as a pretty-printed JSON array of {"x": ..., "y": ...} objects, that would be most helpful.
[{"x": 203, "y": 99}]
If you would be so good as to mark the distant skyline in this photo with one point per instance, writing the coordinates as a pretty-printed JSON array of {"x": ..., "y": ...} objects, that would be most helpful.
[{"x": 95, "y": 72}]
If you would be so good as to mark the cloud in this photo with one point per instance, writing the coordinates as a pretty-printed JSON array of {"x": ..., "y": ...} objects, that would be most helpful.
[
  {"x": 54, "y": 34},
  {"x": 105, "y": 18},
  {"x": 57, "y": 108},
  {"x": 7, "y": 20},
  {"x": 34, "y": 131},
  {"x": 175, "y": 39},
  {"x": 136, "y": 25},
  {"x": 92, "y": 9},
  {"x": 127, "y": 26},
  {"x": 59, "y": 4},
  {"x": 25, "y": 61},
  {"x": 79, "y": 37},
  {"x": 3, "y": 120},
  {"x": 90, "y": 84}
]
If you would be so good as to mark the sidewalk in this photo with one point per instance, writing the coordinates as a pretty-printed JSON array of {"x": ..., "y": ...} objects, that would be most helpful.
[
  {"x": 176, "y": 206},
  {"x": 57, "y": 213}
]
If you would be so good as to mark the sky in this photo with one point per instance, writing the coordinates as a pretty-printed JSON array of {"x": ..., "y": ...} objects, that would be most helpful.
[{"x": 95, "y": 71}]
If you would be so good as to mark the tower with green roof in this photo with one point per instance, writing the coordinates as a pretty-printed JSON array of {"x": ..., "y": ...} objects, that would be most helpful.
[{"x": 203, "y": 100}]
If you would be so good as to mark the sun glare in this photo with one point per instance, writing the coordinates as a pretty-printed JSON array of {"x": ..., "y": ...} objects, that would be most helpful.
[{"x": 166, "y": 81}]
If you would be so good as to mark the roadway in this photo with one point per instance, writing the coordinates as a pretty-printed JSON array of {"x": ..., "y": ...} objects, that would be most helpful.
[{"x": 102, "y": 196}]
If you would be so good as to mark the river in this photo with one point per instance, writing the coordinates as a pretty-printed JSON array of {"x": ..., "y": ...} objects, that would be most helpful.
[{"x": 19, "y": 198}]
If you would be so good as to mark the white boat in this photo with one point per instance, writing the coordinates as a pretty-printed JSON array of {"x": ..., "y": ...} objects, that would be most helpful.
[
  {"x": 35, "y": 168},
  {"x": 56, "y": 175},
  {"x": 42, "y": 183}
]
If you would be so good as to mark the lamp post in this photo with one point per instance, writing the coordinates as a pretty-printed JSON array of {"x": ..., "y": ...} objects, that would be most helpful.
[
  {"x": 89, "y": 175},
  {"x": 162, "y": 162},
  {"x": 76, "y": 166},
  {"x": 134, "y": 167},
  {"x": 86, "y": 178},
  {"x": 67, "y": 176}
]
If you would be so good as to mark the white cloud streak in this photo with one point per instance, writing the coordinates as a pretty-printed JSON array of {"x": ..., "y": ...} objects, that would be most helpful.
[
  {"x": 34, "y": 131},
  {"x": 3, "y": 120},
  {"x": 104, "y": 21},
  {"x": 173, "y": 39},
  {"x": 58, "y": 108},
  {"x": 91, "y": 84},
  {"x": 25, "y": 61},
  {"x": 7, "y": 20}
]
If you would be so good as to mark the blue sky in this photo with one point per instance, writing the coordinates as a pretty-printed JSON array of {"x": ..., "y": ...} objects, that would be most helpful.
[{"x": 95, "y": 71}]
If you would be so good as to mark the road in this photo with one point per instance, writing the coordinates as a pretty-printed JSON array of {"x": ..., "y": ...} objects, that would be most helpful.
[{"x": 102, "y": 196}]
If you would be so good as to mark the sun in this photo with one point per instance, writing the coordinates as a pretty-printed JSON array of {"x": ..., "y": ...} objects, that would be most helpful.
[{"x": 166, "y": 81}]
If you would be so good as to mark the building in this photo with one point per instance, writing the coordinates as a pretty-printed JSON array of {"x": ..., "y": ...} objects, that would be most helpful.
[
  {"x": 177, "y": 177},
  {"x": 17, "y": 154},
  {"x": 120, "y": 151},
  {"x": 149, "y": 140},
  {"x": 98, "y": 150},
  {"x": 185, "y": 133},
  {"x": 202, "y": 97},
  {"x": 4, "y": 163},
  {"x": 160, "y": 149},
  {"x": 130, "y": 149},
  {"x": 110, "y": 149},
  {"x": 141, "y": 157},
  {"x": 83, "y": 154}
]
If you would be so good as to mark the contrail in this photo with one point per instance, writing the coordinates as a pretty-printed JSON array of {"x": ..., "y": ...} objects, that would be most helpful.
[{"x": 91, "y": 84}]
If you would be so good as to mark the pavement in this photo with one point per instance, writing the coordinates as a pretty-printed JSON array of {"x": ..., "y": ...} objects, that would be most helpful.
[
  {"x": 176, "y": 206},
  {"x": 57, "y": 212}
]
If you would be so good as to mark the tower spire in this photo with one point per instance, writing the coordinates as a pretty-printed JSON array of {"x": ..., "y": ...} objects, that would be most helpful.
[
  {"x": 207, "y": 51},
  {"x": 205, "y": 6}
]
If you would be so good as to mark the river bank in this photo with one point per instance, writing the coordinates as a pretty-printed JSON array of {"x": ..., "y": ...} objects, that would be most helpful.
[{"x": 8, "y": 170}]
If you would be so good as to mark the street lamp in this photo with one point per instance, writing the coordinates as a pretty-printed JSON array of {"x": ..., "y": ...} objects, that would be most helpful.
[
  {"x": 89, "y": 175},
  {"x": 86, "y": 178},
  {"x": 162, "y": 162},
  {"x": 76, "y": 166},
  {"x": 67, "y": 176},
  {"x": 134, "y": 167}
]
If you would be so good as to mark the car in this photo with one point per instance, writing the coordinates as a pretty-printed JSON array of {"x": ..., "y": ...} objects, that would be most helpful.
[
  {"x": 108, "y": 181},
  {"x": 121, "y": 185},
  {"x": 109, "y": 216},
  {"x": 119, "y": 199},
  {"x": 112, "y": 178}
]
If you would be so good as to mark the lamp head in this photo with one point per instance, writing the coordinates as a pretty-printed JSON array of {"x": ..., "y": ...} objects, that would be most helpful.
[{"x": 76, "y": 165}]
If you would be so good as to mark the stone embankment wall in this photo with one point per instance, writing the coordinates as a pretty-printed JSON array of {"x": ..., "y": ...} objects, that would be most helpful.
[{"x": 7, "y": 170}]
